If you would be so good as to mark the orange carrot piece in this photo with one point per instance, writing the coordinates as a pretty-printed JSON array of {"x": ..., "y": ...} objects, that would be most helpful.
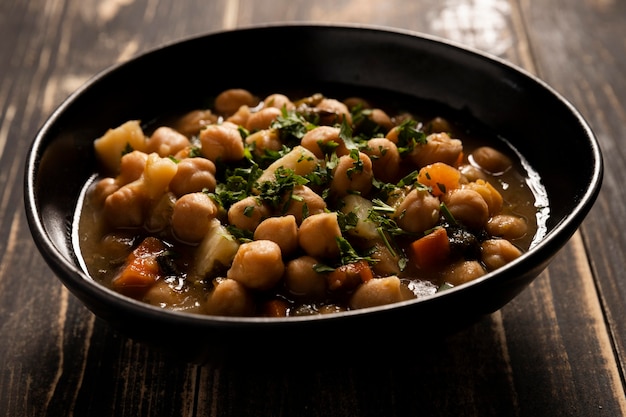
[
  {"x": 364, "y": 270},
  {"x": 459, "y": 160},
  {"x": 349, "y": 276},
  {"x": 141, "y": 269},
  {"x": 431, "y": 250},
  {"x": 275, "y": 308},
  {"x": 439, "y": 177}
]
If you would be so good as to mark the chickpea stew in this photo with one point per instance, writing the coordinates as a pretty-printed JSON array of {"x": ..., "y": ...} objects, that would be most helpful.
[{"x": 278, "y": 207}]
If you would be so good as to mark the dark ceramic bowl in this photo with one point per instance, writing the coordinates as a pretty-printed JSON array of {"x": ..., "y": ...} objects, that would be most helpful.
[{"x": 544, "y": 127}]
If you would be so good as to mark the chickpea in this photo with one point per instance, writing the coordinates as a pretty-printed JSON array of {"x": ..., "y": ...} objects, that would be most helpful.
[
  {"x": 380, "y": 118},
  {"x": 355, "y": 102},
  {"x": 118, "y": 245},
  {"x": 132, "y": 166},
  {"x": 281, "y": 230},
  {"x": 471, "y": 173},
  {"x": 439, "y": 125},
  {"x": 468, "y": 207},
  {"x": 394, "y": 134},
  {"x": 439, "y": 147},
  {"x": 324, "y": 140},
  {"x": 248, "y": 213},
  {"x": 193, "y": 122},
  {"x": 222, "y": 142},
  {"x": 240, "y": 117},
  {"x": 193, "y": 175},
  {"x": 491, "y": 160},
  {"x": 262, "y": 119},
  {"x": 280, "y": 101},
  {"x": 380, "y": 291},
  {"x": 192, "y": 215},
  {"x": 302, "y": 202},
  {"x": 302, "y": 280},
  {"x": 257, "y": 265},
  {"x": 333, "y": 111},
  {"x": 166, "y": 141},
  {"x": 229, "y": 298},
  {"x": 492, "y": 197},
  {"x": 507, "y": 226},
  {"x": 229, "y": 101},
  {"x": 496, "y": 253},
  {"x": 125, "y": 207},
  {"x": 418, "y": 211},
  {"x": 264, "y": 140},
  {"x": 353, "y": 174},
  {"x": 462, "y": 271},
  {"x": 318, "y": 235},
  {"x": 163, "y": 295},
  {"x": 385, "y": 158},
  {"x": 102, "y": 189}
]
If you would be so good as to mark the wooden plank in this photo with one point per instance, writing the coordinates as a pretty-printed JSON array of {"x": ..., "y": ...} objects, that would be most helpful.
[
  {"x": 581, "y": 37},
  {"x": 546, "y": 353}
]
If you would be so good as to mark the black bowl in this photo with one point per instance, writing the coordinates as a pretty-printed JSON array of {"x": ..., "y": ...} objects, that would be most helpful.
[{"x": 543, "y": 126}]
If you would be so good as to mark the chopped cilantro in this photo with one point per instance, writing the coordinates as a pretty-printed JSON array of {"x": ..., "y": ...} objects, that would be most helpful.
[
  {"x": 291, "y": 125},
  {"x": 409, "y": 136},
  {"x": 348, "y": 254},
  {"x": 274, "y": 192}
]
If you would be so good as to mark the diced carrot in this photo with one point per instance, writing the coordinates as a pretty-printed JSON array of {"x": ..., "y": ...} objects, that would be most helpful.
[
  {"x": 141, "y": 269},
  {"x": 275, "y": 308},
  {"x": 430, "y": 250},
  {"x": 459, "y": 160},
  {"x": 364, "y": 270},
  {"x": 349, "y": 276},
  {"x": 439, "y": 177}
]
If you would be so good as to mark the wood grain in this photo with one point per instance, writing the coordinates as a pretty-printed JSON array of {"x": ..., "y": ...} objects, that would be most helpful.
[{"x": 556, "y": 350}]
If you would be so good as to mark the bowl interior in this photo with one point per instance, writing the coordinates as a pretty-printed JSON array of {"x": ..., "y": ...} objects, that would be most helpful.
[{"x": 543, "y": 127}]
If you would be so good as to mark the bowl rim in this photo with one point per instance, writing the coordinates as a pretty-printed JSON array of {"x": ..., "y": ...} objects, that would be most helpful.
[{"x": 63, "y": 268}]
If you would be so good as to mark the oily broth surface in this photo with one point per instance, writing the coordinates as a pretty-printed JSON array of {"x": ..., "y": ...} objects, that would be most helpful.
[{"x": 520, "y": 187}]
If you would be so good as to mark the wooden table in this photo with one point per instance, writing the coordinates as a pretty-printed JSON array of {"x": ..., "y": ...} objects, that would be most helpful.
[{"x": 559, "y": 349}]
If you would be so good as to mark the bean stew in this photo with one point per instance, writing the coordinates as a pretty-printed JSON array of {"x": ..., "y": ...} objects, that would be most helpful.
[{"x": 283, "y": 206}]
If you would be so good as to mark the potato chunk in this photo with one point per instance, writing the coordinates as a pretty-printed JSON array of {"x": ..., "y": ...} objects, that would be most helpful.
[
  {"x": 216, "y": 251},
  {"x": 361, "y": 207},
  {"x": 300, "y": 160}
]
